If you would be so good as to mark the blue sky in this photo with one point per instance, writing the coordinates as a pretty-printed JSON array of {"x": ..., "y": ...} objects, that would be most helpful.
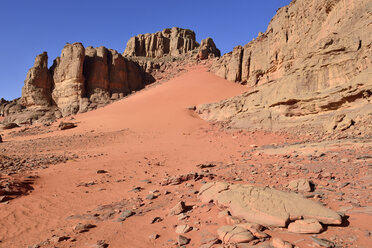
[{"x": 28, "y": 27}]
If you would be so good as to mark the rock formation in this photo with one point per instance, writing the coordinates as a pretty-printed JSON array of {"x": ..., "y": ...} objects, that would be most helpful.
[
  {"x": 79, "y": 80},
  {"x": 68, "y": 78},
  {"x": 168, "y": 51},
  {"x": 208, "y": 48},
  {"x": 173, "y": 41},
  {"x": 314, "y": 58},
  {"x": 82, "y": 79},
  {"x": 38, "y": 84}
]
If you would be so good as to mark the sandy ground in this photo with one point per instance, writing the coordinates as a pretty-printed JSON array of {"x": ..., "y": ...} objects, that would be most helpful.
[{"x": 151, "y": 135}]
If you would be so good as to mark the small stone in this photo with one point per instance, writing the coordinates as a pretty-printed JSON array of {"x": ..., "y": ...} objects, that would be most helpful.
[
  {"x": 100, "y": 244},
  {"x": 150, "y": 197},
  {"x": 135, "y": 189},
  {"x": 66, "y": 125},
  {"x": 182, "y": 216},
  {"x": 80, "y": 228},
  {"x": 301, "y": 185},
  {"x": 179, "y": 208},
  {"x": 206, "y": 165},
  {"x": 154, "y": 236},
  {"x": 279, "y": 243},
  {"x": 223, "y": 214},
  {"x": 182, "y": 240},
  {"x": 34, "y": 246},
  {"x": 56, "y": 239},
  {"x": 156, "y": 220},
  {"x": 305, "y": 226},
  {"x": 183, "y": 229},
  {"x": 323, "y": 242},
  {"x": 101, "y": 171},
  {"x": 125, "y": 214}
]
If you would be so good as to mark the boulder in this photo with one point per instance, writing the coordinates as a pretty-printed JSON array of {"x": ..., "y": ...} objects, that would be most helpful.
[
  {"x": 301, "y": 185},
  {"x": 266, "y": 206},
  {"x": 234, "y": 234},
  {"x": 305, "y": 226},
  {"x": 179, "y": 208}
]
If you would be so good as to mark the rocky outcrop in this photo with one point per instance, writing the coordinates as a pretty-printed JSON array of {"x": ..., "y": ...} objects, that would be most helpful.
[
  {"x": 38, "y": 84},
  {"x": 166, "y": 52},
  {"x": 82, "y": 79},
  {"x": 109, "y": 75},
  {"x": 79, "y": 80},
  {"x": 314, "y": 59},
  {"x": 68, "y": 78},
  {"x": 208, "y": 49},
  {"x": 96, "y": 72},
  {"x": 173, "y": 41}
]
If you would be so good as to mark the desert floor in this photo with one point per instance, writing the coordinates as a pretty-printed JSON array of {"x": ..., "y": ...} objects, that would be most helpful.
[{"x": 118, "y": 156}]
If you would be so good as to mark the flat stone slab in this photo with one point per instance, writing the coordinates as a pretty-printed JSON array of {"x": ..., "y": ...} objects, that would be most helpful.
[{"x": 266, "y": 206}]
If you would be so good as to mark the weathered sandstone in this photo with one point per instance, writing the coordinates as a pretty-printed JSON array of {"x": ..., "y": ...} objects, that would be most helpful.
[
  {"x": 313, "y": 62},
  {"x": 305, "y": 226},
  {"x": 68, "y": 78},
  {"x": 266, "y": 206},
  {"x": 173, "y": 41},
  {"x": 208, "y": 48},
  {"x": 38, "y": 84}
]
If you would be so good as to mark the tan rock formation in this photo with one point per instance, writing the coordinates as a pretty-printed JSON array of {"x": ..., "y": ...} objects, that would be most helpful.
[
  {"x": 107, "y": 72},
  {"x": 266, "y": 206},
  {"x": 96, "y": 73},
  {"x": 172, "y": 41},
  {"x": 38, "y": 84},
  {"x": 314, "y": 58},
  {"x": 208, "y": 49},
  {"x": 68, "y": 78}
]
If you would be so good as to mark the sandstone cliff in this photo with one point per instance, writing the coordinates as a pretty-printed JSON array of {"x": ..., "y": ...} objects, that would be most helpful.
[
  {"x": 167, "y": 51},
  {"x": 173, "y": 41},
  {"x": 78, "y": 81},
  {"x": 313, "y": 62},
  {"x": 38, "y": 84}
]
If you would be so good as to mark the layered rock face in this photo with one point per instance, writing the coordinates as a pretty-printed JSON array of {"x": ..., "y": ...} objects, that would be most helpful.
[
  {"x": 68, "y": 78},
  {"x": 173, "y": 41},
  {"x": 314, "y": 58},
  {"x": 208, "y": 48},
  {"x": 168, "y": 51},
  {"x": 92, "y": 76},
  {"x": 38, "y": 84},
  {"x": 79, "y": 80}
]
